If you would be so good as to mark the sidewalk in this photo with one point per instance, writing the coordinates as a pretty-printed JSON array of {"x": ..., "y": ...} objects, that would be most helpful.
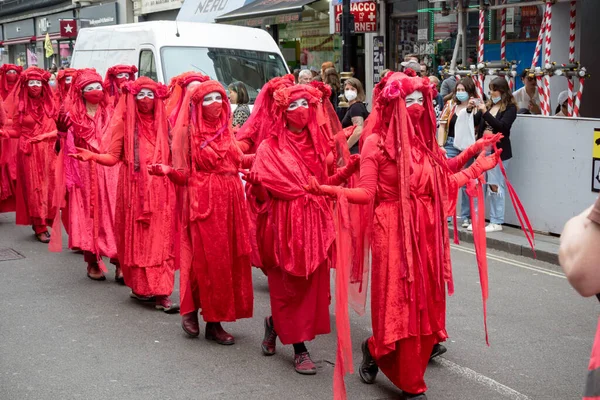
[{"x": 513, "y": 241}]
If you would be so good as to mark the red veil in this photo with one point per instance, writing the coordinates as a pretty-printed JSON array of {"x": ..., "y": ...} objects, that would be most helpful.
[
  {"x": 28, "y": 105},
  {"x": 110, "y": 80},
  {"x": 62, "y": 91},
  {"x": 177, "y": 92},
  {"x": 4, "y": 86}
]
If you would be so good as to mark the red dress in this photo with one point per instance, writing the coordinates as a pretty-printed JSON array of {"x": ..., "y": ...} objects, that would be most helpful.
[{"x": 296, "y": 235}]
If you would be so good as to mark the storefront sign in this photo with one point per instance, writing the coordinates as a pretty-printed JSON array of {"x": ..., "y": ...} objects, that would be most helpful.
[
  {"x": 422, "y": 35},
  {"x": 207, "y": 10},
  {"x": 152, "y": 6},
  {"x": 99, "y": 15},
  {"x": 19, "y": 29},
  {"x": 378, "y": 58},
  {"x": 365, "y": 16},
  {"x": 510, "y": 20},
  {"x": 424, "y": 48},
  {"x": 68, "y": 28},
  {"x": 304, "y": 29},
  {"x": 319, "y": 43}
]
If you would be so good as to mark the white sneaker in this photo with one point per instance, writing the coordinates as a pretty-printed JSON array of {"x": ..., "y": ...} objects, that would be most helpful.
[
  {"x": 465, "y": 223},
  {"x": 470, "y": 228},
  {"x": 493, "y": 228}
]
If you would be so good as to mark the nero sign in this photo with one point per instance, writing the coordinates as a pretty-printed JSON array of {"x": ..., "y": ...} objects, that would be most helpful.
[{"x": 365, "y": 16}]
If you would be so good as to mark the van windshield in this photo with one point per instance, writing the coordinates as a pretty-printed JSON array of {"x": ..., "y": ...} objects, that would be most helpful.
[{"x": 253, "y": 68}]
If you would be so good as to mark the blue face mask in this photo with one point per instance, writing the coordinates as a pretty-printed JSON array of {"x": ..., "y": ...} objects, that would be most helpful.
[
  {"x": 462, "y": 96},
  {"x": 495, "y": 100}
]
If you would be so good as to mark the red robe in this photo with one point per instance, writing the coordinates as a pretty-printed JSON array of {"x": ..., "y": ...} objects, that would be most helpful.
[{"x": 145, "y": 206}]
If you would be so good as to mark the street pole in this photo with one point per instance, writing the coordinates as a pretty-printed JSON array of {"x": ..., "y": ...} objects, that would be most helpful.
[{"x": 347, "y": 28}]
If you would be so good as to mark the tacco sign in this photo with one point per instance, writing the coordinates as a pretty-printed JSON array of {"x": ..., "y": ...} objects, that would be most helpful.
[{"x": 365, "y": 16}]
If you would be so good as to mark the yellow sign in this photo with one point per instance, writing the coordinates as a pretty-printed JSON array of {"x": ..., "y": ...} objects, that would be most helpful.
[{"x": 596, "y": 145}]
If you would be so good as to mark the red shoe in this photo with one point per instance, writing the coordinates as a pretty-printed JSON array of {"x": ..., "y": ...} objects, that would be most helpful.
[
  {"x": 165, "y": 304},
  {"x": 304, "y": 365},
  {"x": 214, "y": 331},
  {"x": 270, "y": 339},
  {"x": 43, "y": 237},
  {"x": 94, "y": 272},
  {"x": 119, "y": 275},
  {"x": 189, "y": 323}
]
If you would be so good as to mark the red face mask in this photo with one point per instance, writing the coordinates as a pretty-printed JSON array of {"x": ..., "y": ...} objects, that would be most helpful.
[
  {"x": 93, "y": 96},
  {"x": 212, "y": 112},
  {"x": 416, "y": 112},
  {"x": 34, "y": 91},
  {"x": 120, "y": 82},
  {"x": 145, "y": 105},
  {"x": 12, "y": 78},
  {"x": 297, "y": 119}
]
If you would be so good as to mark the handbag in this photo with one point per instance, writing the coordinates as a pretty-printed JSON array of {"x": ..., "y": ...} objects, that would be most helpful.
[{"x": 464, "y": 130}]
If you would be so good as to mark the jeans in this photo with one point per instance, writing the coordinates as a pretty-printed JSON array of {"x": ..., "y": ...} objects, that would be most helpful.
[
  {"x": 465, "y": 206},
  {"x": 497, "y": 199}
]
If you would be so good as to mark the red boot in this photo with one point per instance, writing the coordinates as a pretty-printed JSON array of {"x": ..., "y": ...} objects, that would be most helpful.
[
  {"x": 165, "y": 304},
  {"x": 94, "y": 272},
  {"x": 214, "y": 331},
  {"x": 189, "y": 323}
]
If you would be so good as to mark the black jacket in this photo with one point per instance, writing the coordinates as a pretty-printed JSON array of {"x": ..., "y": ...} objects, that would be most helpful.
[{"x": 501, "y": 123}]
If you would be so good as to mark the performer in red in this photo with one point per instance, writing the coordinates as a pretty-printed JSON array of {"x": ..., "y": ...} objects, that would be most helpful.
[
  {"x": 295, "y": 229},
  {"x": 64, "y": 82},
  {"x": 115, "y": 78},
  {"x": 33, "y": 123},
  {"x": 145, "y": 203},
  {"x": 9, "y": 76},
  {"x": 215, "y": 261},
  {"x": 415, "y": 189},
  {"x": 178, "y": 88},
  {"x": 90, "y": 189}
]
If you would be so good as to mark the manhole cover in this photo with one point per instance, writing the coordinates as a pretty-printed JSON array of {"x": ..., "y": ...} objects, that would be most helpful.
[{"x": 7, "y": 254}]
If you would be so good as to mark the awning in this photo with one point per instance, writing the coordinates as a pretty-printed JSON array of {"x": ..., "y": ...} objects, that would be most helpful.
[
  {"x": 265, "y": 8},
  {"x": 24, "y": 40}
]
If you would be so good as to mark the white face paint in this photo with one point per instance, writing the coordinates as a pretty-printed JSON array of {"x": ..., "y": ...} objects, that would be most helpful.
[
  {"x": 193, "y": 84},
  {"x": 415, "y": 97},
  {"x": 93, "y": 86},
  {"x": 123, "y": 75},
  {"x": 212, "y": 97},
  {"x": 33, "y": 83},
  {"x": 145, "y": 93},
  {"x": 298, "y": 103},
  {"x": 68, "y": 79},
  {"x": 10, "y": 72}
]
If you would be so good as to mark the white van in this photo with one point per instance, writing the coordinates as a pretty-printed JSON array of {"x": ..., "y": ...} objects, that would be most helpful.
[{"x": 164, "y": 49}]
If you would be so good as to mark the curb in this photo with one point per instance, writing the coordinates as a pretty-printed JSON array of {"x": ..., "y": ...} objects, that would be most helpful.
[{"x": 512, "y": 248}]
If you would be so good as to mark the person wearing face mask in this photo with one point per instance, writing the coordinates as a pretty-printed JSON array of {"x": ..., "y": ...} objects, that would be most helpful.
[
  {"x": 33, "y": 124},
  {"x": 295, "y": 229},
  {"x": 357, "y": 113},
  {"x": 9, "y": 76},
  {"x": 216, "y": 275},
  {"x": 178, "y": 88},
  {"x": 144, "y": 203},
  {"x": 90, "y": 189},
  {"x": 459, "y": 104},
  {"x": 63, "y": 85},
  {"x": 498, "y": 115},
  {"x": 413, "y": 186},
  {"x": 116, "y": 77}
]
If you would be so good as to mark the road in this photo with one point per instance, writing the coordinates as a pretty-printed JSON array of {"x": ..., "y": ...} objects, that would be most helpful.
[{"x": 64, "y": 336}]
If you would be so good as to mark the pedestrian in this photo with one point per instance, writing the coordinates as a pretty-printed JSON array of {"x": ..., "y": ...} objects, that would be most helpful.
[
  {"x": 447, "y": 87},
  {"x": 332, "y": 80},
  {"x": 438, "y": 101},
  {"x": 406, "y": 176},
  {"x": 498, "y": 115},
  {"x": 33, "y": 123},
  {"x": 412, "y": 65},
  {"x": 296, "y": 229},
  {"x": 562, "y": 109},
  {"x": 9, "y": 77},
  {"x": 304, "y": 77},
  {"x": 451, "y": 127},
  {"x": 238, "y": 95},
  {"x": 424, "y": 71},
  {"x": 115, "y": 78},
  {"x": 356, "y": 114},
  {"x": 145, "y": 203},
  {"x": 527, "y": 98},
  {"x": 90, "y": 189},
  {"x": 216, "y": 272}
]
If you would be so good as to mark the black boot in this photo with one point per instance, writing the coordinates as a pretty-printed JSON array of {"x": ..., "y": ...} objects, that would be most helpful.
[
  {"x": 437, "y": 351},
  {"x": 368, "y": 369}
]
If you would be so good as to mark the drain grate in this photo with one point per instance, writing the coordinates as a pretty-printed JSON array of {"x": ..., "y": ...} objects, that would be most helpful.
[{"x": 8, "y": 254}]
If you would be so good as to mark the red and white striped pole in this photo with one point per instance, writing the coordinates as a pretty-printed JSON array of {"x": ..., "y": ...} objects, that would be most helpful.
[
  {"x": 572, "y": 22},
  {"x": 548, "y": 58},
  {"x": 578, "y": 98},
  {"x": 538, "y": 45},
  {"x": 503, "y": 34},
  {"x": 479, "y": 78}
]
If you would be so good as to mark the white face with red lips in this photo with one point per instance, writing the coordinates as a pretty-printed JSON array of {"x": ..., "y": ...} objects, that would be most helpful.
[
  {"x": 212, "y": 97},
  {"x": 297, "y": 104},
  {"x": 92, "y": 86},
  {"x": 145, "y": 93},
  {"x": 415, "y": 97},
  {"x": 123, "y": 75},
  {"x": 34, "y": 82}
]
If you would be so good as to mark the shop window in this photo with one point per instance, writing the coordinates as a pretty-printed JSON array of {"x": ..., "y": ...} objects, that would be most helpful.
[{"x": 147, "y": 65}]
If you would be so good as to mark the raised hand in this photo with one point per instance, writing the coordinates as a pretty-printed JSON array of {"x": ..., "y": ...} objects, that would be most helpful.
[
  {"x": 83, "y": 154},
  {"x": 63, "y": 122},
  {"x": 488, "y": 162},
  {"x": 158, "y": 169},
  {"x": 251, "y": 177}
]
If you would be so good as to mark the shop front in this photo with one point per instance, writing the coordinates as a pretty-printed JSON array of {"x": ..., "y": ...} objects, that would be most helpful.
[
  {"x": 62, "y": 46},
  {"x": 153, "y": 10},
  {"x": 19, "y": 42}
]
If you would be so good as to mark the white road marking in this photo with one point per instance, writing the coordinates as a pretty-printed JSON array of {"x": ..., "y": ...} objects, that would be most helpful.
[
  {"x": 514, "y": 263},
  {"x": 481, "y": 379}
]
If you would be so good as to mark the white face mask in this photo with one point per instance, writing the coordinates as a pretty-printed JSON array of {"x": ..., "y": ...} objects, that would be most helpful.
[
  {"x": 93, "y": 86},
  {"x": 145, "y": 93},
  {"x": 123, "y": 75},
  {"x": 33, "y": 83},
  {"x": 297, "y": 104},
  {"x": 350, "y": 94},
  {"x": 212, "y": 97},
  {"x": 415, "y": 97},
  {"x": 68, "y": 79}
]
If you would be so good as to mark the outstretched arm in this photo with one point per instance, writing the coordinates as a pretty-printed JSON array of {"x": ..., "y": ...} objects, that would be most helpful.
[
  {"x": 343, "y": 174},
  {"x": 482, "y": 164},
  {"x": 457, "y": 163}
]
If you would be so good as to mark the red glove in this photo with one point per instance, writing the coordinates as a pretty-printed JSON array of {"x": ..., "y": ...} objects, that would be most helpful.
[
  {"x": 482, "y": 164},
  {"x": 488, "y": 140},
  {"x": 343, "y": 174}
]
